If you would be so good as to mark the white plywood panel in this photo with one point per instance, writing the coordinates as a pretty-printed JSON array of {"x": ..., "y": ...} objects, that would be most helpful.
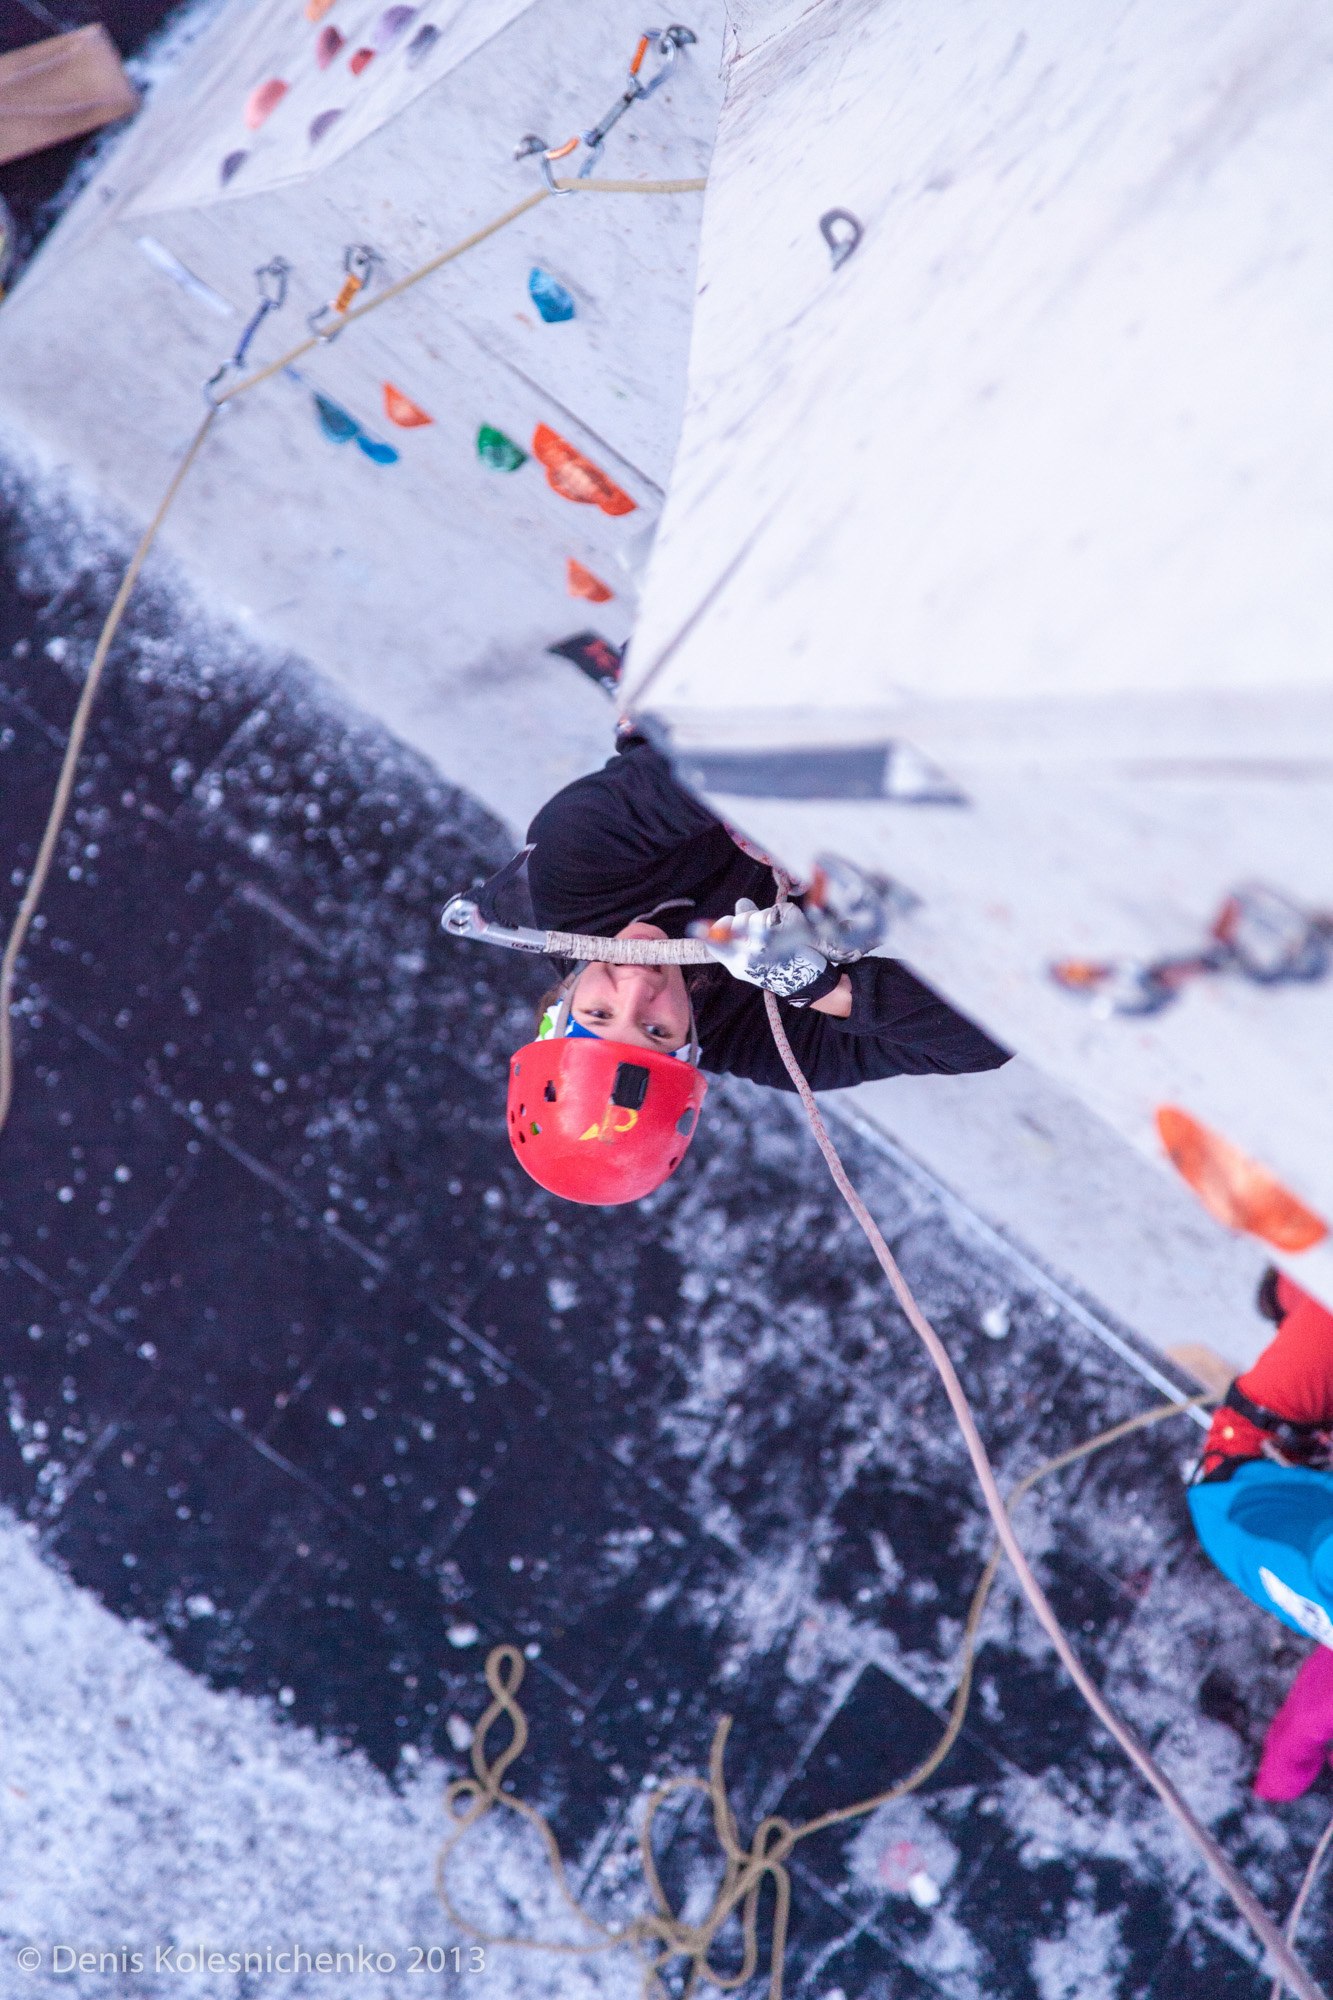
[{"x": 1040, "y": 483}]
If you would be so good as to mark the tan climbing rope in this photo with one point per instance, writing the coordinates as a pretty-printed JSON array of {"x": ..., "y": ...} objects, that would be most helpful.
[
  {"x": 41, "y": 867},
  {"x": 663, "y": 1935},
  {"x": 745, "y": 1871},
  {"x": 1244, "y": 1898},
  {"x": 36, "y": 884},
  {"x": 1302, "y": 1897}
]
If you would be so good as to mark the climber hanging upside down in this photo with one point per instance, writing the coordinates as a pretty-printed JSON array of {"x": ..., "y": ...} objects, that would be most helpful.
[
  {"x": 1263, "y": 1507},
  {"x": 603, "y": 1104}
]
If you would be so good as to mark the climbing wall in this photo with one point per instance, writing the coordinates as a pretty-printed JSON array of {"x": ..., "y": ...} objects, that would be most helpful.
[
  {"x": 996, "y": 553},
  {"x": 429, "y": 504}
]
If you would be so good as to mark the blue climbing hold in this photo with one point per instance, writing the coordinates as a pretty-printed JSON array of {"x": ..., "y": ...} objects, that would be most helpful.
[
  {"x": 421, "y": 44},
  {"x": 335, "y": 421},
  {"x": 341, "y": 426},
  {"x": 549, "y": 296}
]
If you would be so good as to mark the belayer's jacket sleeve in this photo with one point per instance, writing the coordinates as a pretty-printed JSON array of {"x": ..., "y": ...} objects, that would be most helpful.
[{"x": 897, "y": 1027}]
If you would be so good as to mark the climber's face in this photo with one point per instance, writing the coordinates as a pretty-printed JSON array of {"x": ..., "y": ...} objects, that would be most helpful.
[{"x": 644, "y": 1005}]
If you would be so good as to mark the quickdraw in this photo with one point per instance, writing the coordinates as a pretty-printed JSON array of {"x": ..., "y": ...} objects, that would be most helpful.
[
  {"x": 667, "y": 44},
  {"x": 359, "y": 262},
  {"x": 271, "y": 279},
  {"x": 1258, "y": 932}
]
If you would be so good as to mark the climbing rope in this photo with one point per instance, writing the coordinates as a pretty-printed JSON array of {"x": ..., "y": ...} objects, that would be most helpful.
[
  {"x": 78, "y": 729},
  {"x": 1302, "y": 1897},
  {"x": 744, "y": 1872},
  {"x": 1244, "y": 1899},
  {"x": 272, "y": 278},
  {"x": 664, "y": 1935},
  {"x": 1227, "y": 1877}
]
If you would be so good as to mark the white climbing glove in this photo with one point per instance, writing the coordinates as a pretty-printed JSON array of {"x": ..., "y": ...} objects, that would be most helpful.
[{"x": 774, "y": 949}]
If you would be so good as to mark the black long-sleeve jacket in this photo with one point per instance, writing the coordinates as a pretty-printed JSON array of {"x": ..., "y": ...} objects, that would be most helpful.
[{"x": 627, "y": 841}]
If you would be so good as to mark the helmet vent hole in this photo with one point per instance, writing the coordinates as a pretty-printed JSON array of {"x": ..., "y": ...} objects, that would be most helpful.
[
  {"x": 630, "y": 1086},
  {"x": 549, "y": 1092},
  {"x": 685, "y": 1123}
]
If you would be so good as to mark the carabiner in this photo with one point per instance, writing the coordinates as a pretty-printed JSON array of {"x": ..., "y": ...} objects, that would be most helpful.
[
  {"x": 271, "y": 279},
  {"x": 359, "y": 261},
  {"x": 667, "y": 42}
]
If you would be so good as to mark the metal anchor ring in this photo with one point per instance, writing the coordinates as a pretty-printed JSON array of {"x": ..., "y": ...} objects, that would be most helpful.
[{"x": 842, "y": 232}]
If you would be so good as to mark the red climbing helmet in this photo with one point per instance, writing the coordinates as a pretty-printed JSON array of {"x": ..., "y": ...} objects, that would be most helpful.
[{"x": 601, "y": 1122}]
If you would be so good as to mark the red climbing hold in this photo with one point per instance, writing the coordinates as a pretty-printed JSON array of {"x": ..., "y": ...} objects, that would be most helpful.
[
  {"x": 575, "y": 477},
  {"x": 1235, "y": 1188},
  {"x": 582, "y": 583},
  {"x": 356, "y": 63},
  {"x": 263, "y": 101},
  {"x": 401, "y": 410},
  {"x": 331, "y": 41}
]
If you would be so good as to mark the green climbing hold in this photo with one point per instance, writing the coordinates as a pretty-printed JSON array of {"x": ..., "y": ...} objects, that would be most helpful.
[{"x": 499, "y": 451}]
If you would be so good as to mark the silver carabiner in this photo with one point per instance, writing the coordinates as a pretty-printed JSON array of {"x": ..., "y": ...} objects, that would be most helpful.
[
  {"x": 359, "y": 262},
  {"x": 667, "y": 43},
  {"x": 271, "y": 279}
]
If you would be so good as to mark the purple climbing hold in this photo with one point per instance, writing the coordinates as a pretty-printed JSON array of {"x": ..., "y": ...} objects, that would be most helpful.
[
  {"x": 324, "y": 123},
  {"x": 230, "y": 165},
  {"x": 391, "y": 24},
  {"x": 421, "y": 44}
]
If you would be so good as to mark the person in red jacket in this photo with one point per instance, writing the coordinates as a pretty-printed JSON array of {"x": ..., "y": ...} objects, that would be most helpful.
[{"x": 1282, "y": 1408}]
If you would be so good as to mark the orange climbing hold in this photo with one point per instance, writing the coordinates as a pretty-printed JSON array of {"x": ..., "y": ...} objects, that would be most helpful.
[
  {"x": 263, "y": 101},
  {"x": 401, "y": 410},
  {"x": 582, "y": 583},
  {"x": 315, "y": 10},
  {"x": 1235, "y": 1188},
  {"x": 575, "y": 477}
]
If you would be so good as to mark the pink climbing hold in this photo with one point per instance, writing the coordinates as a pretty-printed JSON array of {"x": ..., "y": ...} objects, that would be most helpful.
[
  {"x": 356, "y": 63},
  {"x": 329, "y": 44},
  {"x": 263, "y": 101}
]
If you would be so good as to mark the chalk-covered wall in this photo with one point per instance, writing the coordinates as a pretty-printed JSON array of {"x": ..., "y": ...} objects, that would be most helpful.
[
  {"x": 1037, "y": 486},
  {"x": 431, "y": 585}
]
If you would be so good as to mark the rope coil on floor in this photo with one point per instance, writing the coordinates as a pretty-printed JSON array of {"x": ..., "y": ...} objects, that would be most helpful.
[{"x": 664, "y": 1935}]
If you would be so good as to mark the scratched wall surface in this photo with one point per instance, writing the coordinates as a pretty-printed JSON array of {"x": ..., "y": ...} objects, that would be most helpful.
[
  {"x": 302, "y": 1373},
  {"x": 430, "y": 588},
  {"x": 427, "y": 585},
  {"x": 1014, "y": 488}
]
